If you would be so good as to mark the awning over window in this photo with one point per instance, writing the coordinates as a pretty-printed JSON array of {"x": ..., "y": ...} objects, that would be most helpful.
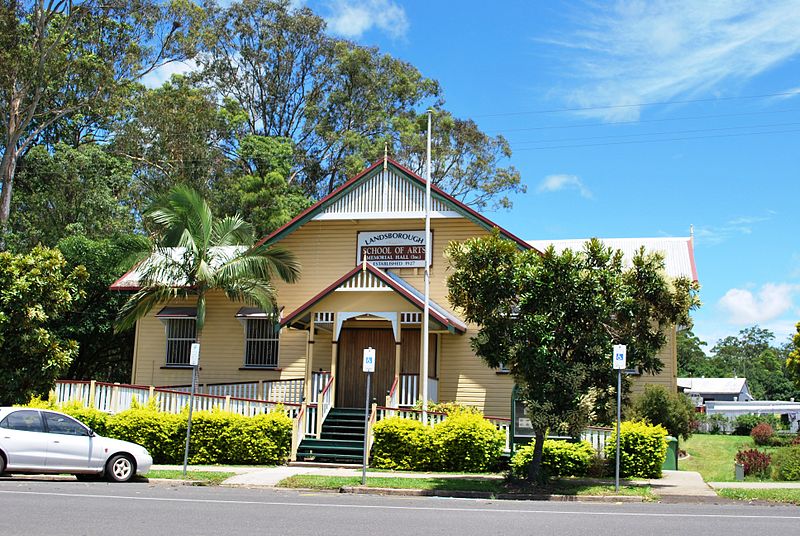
[
  {"x": 177, "y": 312},
  {"x": 255, "y": 312}
]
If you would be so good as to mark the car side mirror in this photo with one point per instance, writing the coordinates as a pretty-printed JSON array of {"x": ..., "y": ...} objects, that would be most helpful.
[{"x": 90, "y": 432}]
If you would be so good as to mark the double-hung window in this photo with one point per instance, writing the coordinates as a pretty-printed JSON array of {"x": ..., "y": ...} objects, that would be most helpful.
[
  {"x": 261, "y": 338},
  {"x": 181, "y": 329}
]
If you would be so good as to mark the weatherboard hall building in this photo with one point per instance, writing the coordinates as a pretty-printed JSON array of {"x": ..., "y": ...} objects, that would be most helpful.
[{"x": 343, "y": 304}]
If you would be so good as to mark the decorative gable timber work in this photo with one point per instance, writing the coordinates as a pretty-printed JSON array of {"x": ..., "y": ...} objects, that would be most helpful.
[
  {"x": 368, "y": 278},
  {"x": 385, "y": 195},
  {"x": 398, "y": 193}
]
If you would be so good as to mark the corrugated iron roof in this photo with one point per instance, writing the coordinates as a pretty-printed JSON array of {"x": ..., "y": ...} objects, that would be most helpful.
[
  {"x": 678, "y": 251},
  {"x": 699, "y": 386}
]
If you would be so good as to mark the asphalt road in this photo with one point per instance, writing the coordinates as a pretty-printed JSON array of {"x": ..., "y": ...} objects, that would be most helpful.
[{"x": 52, "y": 508}]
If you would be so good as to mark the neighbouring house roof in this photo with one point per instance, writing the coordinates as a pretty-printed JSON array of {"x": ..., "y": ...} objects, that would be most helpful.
[
  {"x": 132, "y": 279},
  {"x": 678, "y": 251},
  {"x": 440, "y": 200},
  {"x": 382, "y": 280},
  {"x": 700, "y": 386}
]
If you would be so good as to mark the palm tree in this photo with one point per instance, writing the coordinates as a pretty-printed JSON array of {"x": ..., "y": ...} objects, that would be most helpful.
[{"x": 194, "y": 253}]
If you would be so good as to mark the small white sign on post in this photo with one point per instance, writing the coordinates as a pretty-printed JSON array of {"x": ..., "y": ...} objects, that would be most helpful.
[
  {"x": 369, "y": 360},
  {"x": 620, "y": 355},
  {"x": 194, "y": 354}
]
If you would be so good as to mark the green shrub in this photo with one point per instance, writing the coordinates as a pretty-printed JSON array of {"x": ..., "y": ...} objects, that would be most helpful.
[
  {"x": 402, "y": 444},
  {"x": 466, "y": 442},
  {"x": 673, "y": 411},
  {"x": 162, "y": 434},
  {"x": 744, "y": 424},
  {"x": 786, "y": 464},
  {"x": 463, "y": 442},
  {"x": 265, "y": 439},
  {"x": 559, "y": 458},
  {"x": 450, "y": 408},
  {"x": 762, "y": 434},
  {"x": 643, "y": 449}
]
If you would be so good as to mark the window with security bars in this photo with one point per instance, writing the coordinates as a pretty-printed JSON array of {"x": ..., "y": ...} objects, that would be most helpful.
[
  {"x": 261, "y": 343},
  {"x": 181, "y": 333}
]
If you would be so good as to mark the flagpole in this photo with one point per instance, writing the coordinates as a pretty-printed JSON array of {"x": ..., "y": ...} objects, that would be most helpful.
[{"x": 426, "y": 312}]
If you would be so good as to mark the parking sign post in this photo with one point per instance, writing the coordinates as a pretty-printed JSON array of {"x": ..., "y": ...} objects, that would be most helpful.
[
  {"x": 618, "y": 360},
  {"x": 194, "y": 361},
  {"x": 368, "y": 366}
]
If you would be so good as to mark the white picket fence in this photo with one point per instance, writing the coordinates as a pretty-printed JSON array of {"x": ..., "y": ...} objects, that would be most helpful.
[
  {"x": 116, "y": 397},
  {"x": 287, "y": 391}
]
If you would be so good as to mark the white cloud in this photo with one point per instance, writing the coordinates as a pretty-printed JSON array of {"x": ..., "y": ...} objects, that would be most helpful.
[
  {"x": 638, "y": 52},
  {"x": 743, "y": 225},
  {"x": 353, "y": 18},
  {"x": 554, "y": 183},
  {"x": 157, "y": 77},
  {"x": 768, "y": 303}
]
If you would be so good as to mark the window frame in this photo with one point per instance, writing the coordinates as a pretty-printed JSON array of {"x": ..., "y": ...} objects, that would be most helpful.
[
  {"x": 80, "y": 425},
  {"x": 187, "y": 340},
  {"x": 269, "y": 342}
]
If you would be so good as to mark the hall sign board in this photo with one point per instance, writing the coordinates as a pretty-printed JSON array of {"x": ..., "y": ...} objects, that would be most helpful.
[{"x": 392, "y": 249}]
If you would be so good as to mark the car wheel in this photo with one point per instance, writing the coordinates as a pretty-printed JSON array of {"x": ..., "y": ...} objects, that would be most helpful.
[
  {"x": 120, "y": 468},
  {"x": 2, "y": 464}
]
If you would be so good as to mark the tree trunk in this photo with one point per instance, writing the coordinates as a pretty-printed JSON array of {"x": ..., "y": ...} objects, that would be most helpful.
[
  {"x": 8, "y": 169},
  {"x": 535, "y": 468}
]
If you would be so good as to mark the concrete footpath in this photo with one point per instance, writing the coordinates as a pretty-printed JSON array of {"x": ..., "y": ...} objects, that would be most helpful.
[{"x": 675, "y": 485}]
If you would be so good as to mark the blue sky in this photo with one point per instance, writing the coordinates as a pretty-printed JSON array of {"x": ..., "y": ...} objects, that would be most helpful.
[{"x": 631, "y": 157}]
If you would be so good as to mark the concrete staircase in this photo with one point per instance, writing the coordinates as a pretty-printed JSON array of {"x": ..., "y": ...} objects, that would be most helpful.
[{"x": 341, "y": 440}]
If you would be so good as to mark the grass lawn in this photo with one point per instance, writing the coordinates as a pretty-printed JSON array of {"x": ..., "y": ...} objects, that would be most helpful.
[
  {"x": 560, "y": 487},
  {"x": 790, "y": 496},
  {"x": 712, "y": 455},
  {"x": 212, "y": 478}
]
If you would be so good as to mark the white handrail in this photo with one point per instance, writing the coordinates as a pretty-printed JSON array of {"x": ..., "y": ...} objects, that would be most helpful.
[{"x": 324, "y": 403}]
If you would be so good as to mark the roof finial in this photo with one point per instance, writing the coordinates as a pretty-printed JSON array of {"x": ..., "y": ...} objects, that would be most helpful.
[
  {"x": 385, "y": 154},
  {"x": 691, "y": 232},
  {"x": 364, "y": 264}
]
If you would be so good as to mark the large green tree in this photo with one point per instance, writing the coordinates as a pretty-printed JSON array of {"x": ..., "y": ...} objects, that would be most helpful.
[
  {"x": 66, "y": 191},
  {"x": 103, "y": 353},
  {"x": 341, "y": 103},
  {"x": 552, "y": 318},
  {"x": 177, "y": 134},
  {"x": 36, "y": 288},
  {"x": 66, "y": 66},
  {"x": 194, "y": 253},
  {"x": 260, "y": 189},
  {"x": 793, "y": 358}
]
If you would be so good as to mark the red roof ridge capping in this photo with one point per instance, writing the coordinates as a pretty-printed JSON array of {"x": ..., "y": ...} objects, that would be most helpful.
[
  {"x": 690, "y": 245},
  {"x": 457, "y": 326},
  {"x": 472, "y": 212}
]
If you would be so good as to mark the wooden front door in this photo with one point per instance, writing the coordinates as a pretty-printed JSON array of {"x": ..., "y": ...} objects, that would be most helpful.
[{"x": 351, "y": 382}]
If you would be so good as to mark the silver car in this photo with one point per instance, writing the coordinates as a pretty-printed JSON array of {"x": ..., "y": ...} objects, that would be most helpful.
[{"x": 44, "y": 441}]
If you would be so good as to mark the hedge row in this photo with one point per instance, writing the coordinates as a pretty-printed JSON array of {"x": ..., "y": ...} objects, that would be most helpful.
[
  {"x": 463, "y": 442},
  {"x": 218, "y": 437},
  {"x": 559, "y": 458}
]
